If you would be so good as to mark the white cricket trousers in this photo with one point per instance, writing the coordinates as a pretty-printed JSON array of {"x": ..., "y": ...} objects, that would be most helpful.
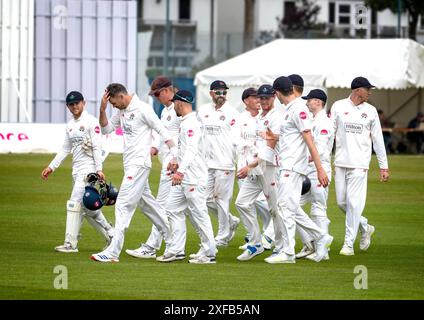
[
  {"x": 351, "y": 194},
  {"x": 219, "y": 191},
  {"x": 155, "y": 238},
  {"x": 192, "y": 197},
  {"x": 317, "y": 196},
  {"x": 135, "y": 191},
  {"x": 260, "y": 207}
]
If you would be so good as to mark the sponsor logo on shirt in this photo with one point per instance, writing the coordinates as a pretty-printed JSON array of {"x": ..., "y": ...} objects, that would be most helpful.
[
  {"x": 324, "y": 132},
  {"x": 303, "y": 115},
  {"x": 97, "y": 129},
  {"x": 213, "y": 130},
  {"x": 232, "y": 122},
  {"x": 190, "y": 133},
  {"x": 353, "y": 127},
  {"x": 206, "y": 116}
]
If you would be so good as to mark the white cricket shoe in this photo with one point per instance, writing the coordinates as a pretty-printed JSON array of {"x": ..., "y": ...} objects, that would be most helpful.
[
  {"x": 66, "y": 248},
  {"x": 365, "y": 242},
  {"x": 313, "y": 257},
  {"x": 102, "y": 257},
  {"x": 347, "y": 251},
  {"x": 244, "y": 247},
  {"x": 306, "y": 251},
  {"x": 280, "y": 258},
  {"x": 144, "y": 252},
  {"x": 322, "y": 246},
  {"x": 221, "y": 243},
  {"x": 169, "y": 257},
  {"x": 250, "y": 252},
  {"x": 234, "y": 222},
  {"x": 203, "y": 260},
  {"x": 267, "y": 242}
]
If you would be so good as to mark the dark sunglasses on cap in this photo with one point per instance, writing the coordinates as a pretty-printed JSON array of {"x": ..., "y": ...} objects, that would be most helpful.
[{"x": 220, "y": 93}]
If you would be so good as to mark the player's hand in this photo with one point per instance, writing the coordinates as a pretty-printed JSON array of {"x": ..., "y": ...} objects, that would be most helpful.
[
  {"x": 105, "y": 100},
  {"x": 172, "y": 166},
  {"x": 153, "y": 151},
  {"x": 384, "y": 175},
  {"x": 242, "y": 173},
  {"x": 101, "y": 175},
  {"x": 271, "y": 138},
  {"x": 46, "y": 172},
  {"x": 177, "y": 178},
  {"x": 322, "y": 177}
]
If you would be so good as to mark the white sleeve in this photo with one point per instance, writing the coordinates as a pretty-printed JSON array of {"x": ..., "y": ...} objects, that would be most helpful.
[
  {"x": 96, "y": 143},
  {"x": 378, "y": 142},
  {"x": 235, "y": 128},
  {"x": 63, "y": 153},
  {"x": 321, "y": 140},
  {"x": 152, "y": 120},
  {"x": 192, "y": 137},
  {"x": 112, "y": 124}
]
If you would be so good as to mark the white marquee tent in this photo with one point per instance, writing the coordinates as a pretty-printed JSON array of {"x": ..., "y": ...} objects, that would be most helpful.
[{"x": 395, "y": 66}]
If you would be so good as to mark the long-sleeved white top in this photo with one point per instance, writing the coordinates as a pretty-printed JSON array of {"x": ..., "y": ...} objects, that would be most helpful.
[
  {"x": 82, "y": 130},
  {"x": 246, "y": 147},
  {"x": 293, "y": 154},
  {"x": 323, "y": 135},
  {"x": 357, "y": 130},
  {"x": 191, "y": 161},
  {"x": 273, "y": 121},
  {"x": 220, "y": 135},
  {"x": 137, "y": 121}
]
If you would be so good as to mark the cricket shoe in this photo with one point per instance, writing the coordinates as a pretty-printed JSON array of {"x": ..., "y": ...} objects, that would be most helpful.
[
  {"x": 280, "y": 258},
  {"x": 365, "y": 242},
  {"x": 322, "y": 246},
  {"x": 66, "y": 248},
  {"x": 203, "y": 260},
  {"x": 198, "y": 254},
  {"x": 250, "y": 252},
  {"x": 313, "y": 257},
  {"x": 347, "y": 251},
  {"x": 234, "y": 222},
  {"x": 267, "y": 242},
  {"x": 102, "y": 257},
  {"x": 221, "y": 243},
  {"x": 144, "y": 252},
  {"x": 244, "y": 247},
  {"x": 306, "y": 251},
  {"x": 169, "y": 257}
]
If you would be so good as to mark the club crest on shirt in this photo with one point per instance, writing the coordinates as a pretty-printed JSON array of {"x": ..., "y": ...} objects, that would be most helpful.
[
  {"x": 82, "y": 129},
  {"x": 364, "y": 115},
  {"x": 206, "y": 116},
  {"x": 132, "y": 116},
  {"x": 190, "y": 133},
  {"x": 303, "y": 115},
  {"x": 287, "y": 116},
  {"x": 266, "y": 122},
  {"x": 222, "y": 118},
  {"x": 169, "y": 118}
]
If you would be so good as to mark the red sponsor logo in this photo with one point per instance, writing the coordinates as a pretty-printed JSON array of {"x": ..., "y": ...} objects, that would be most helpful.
[
  {"x": 190, "y": 133},
  {"x": 232, "y": 122},
  {"x": 129, "y": 177},
  {"x": 191, "y": 189},
  {"x": 303, "y": 115},
  {"x": 119, "y": 131},
  {"x": 97, "y": 129},
  {"x": 286, "y": 175},
  {"x": 324, "y": 131},
  {"x": 19, "y": 136}
]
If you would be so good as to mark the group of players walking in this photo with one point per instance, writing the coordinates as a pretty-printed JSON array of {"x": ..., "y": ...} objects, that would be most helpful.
[{"x": 273, "y": 152}]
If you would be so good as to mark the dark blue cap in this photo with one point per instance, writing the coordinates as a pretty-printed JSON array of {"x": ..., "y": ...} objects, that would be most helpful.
[
  {"x": 266, "y": 90},
  {"x": 184, "y": 96},
  {"x": 296, "y": 80},
  {"x": 282, "y": 83},
  {"x": 218, "y": 84},
  {"x": 74, "y": 96},
  {"x": 249, "y": 92},
  {"x": 316, "y": 94},
  {"x": 361, "y": 82}
]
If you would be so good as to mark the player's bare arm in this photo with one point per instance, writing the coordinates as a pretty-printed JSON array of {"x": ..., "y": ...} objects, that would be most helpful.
[
  {"x": 322, "y": 175},
  {"x": 103, "y": 105}
]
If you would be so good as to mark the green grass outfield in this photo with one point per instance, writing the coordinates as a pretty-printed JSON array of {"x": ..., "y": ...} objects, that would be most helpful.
[{"x": 32, "y": 223}]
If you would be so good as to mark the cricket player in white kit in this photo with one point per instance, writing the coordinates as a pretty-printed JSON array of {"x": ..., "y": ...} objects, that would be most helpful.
[
  {"x": 83, "y": 140},
  {"x": 137, "y": 120},
  {"x": 220, "y": 124},
  {"x": 295, "y": 141},
  {"x": 357, "y": 131},
  {"x": 188, "y": 191},
  {"x": 323, "y": 135},
  {"x": 262, "y": 178},
  {"x": 163, "y": 90}
]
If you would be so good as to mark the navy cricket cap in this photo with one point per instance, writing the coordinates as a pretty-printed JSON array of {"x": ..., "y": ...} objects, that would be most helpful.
[
  {"x": 266, "y": 90},
  {"x": 297, "y": 80},
  {"x": 74, "y": 97},
  {"x": 282, "y": 83},
  {"x": 249, "y": 92},
  {"x": 361, "y": 82},
  {"x": 316, "y": 94},
  {"x": 218, "y": 84},
  {"x": 184, "y": 96}
]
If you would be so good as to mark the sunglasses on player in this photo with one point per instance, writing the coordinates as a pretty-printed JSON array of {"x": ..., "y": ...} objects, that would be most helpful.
[{"x": 220, "y": 93}]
